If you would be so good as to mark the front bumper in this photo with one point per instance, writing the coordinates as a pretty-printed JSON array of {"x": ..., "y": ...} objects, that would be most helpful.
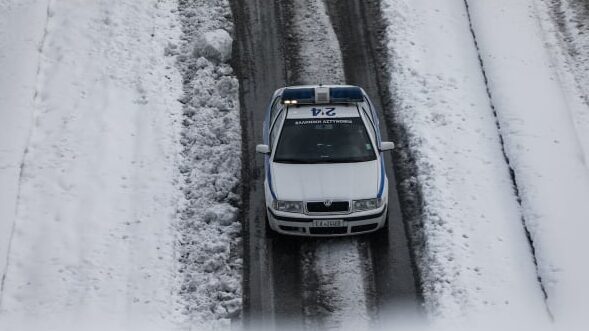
[{"x": 302, "y": 225}]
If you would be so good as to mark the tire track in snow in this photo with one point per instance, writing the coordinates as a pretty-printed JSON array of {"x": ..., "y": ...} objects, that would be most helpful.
[
  {"x": 563, "y": 30},
  {"x": 507, "y": 161},
  {"x": 36, "y": 102},
  {"x": 314, "y": 45},
  {"x": 336, "y": 285}
]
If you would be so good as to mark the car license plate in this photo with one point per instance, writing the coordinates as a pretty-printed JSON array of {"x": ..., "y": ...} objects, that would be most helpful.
[{"x": 327, "y": 223}]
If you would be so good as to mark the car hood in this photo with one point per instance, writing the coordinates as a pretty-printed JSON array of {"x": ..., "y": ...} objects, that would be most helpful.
[{"x": 335, "y": 181}]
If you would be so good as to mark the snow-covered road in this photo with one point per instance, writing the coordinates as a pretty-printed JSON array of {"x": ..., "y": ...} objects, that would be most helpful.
[
  {"x": 93, "y": 237},
  {"x": 471, "y": 125},
  {"x": 541, "y": 116},
  {"x": 473, "y": 253}
]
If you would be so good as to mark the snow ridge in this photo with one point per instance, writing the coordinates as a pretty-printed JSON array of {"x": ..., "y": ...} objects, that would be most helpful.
[
  {"x": 209, "y": 239},
  {"x": 21, "y": 167},
  {"x": 506, "y": 157}
]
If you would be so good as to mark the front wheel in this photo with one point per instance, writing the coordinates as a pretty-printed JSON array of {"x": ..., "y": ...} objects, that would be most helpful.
[
  {"x": 270, "y": 234},
  {"x": 385, "y": 229}
]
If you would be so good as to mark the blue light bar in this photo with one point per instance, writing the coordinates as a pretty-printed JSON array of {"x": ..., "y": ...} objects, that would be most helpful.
[
  {"x": 346, "y": 94},
  {"x": 300, "y": 95}
]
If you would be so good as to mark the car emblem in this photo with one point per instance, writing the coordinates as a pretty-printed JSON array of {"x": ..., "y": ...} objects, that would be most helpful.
[{"x": 327, "y": 203}]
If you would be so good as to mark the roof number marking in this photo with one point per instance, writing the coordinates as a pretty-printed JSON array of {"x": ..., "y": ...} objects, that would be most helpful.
[{"x": 327, "y": 111}]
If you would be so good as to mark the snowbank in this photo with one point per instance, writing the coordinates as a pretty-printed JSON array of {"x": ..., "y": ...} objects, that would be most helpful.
[{"x": 209, "y": 242}]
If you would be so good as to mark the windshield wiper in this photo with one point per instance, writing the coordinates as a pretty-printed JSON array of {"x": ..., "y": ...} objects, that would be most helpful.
[
  {"x": 298, "y": 161},
  {"x": 319, "y": 161}
]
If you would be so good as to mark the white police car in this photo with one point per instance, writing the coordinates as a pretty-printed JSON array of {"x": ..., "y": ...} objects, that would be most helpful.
[{"x": 324, "y": 164}]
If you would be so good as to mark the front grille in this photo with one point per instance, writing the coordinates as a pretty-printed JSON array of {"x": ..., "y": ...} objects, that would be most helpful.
[
  {"x": 330, "y": 230},
  {"x": 335, "y": 207}
]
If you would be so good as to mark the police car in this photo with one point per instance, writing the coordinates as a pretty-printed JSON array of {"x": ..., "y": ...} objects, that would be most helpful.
[{"x": 324, "y": 166}]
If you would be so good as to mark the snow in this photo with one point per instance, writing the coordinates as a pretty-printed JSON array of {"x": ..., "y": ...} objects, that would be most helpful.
[
  {"x": 214, "y": 45},
  {"x": 568, "y": 47},
  {"x": 19, "y": 60},
  {"x": 209, "y": 241},
  {"x": 93, "y": 235},
  {"x": 334, "y": 272},
  {"x": 126, "y": 206},
  {"x": 473, "y": 254},
  {"x": 539, "y": 116}
]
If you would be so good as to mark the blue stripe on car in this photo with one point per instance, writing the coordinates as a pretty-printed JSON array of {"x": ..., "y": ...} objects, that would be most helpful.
[
  {"x": 269, "y": 176},
  {"x": 381, "y": 184},
  {"x": 382, "y": 167},
  {"x": 266, "y": 138}
]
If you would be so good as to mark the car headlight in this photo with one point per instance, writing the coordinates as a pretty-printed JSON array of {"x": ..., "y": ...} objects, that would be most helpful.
[
  {"x": 367, "y": 204},
  {"x": 288, "y": 206}
]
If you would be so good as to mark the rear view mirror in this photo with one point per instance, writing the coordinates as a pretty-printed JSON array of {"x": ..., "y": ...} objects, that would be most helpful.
[
  {"x": 387, "y": 146},
  {"x": 263, "y": 149}
]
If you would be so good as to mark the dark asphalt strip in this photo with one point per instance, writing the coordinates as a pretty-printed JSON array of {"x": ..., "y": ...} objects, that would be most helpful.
[
  {"x": 358, "y": 27},
  {"x": 271, "y": 280},
  {"x": 507, "y": 161}
]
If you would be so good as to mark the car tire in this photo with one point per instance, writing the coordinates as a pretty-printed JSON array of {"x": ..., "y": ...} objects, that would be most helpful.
[
  {"x": 269, "y": 233},
  {"x": 385, "y": 229}
]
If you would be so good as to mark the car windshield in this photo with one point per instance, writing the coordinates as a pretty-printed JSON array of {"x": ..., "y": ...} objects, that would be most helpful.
[{"x": 336, "y": 140}]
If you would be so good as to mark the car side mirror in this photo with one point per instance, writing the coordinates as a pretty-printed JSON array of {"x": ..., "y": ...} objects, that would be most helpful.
[
  {"x": 263, "y": 149},
  {"x": 387, "y": 146}
]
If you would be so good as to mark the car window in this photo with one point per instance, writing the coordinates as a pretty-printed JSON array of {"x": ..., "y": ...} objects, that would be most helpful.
[
  {"x": 336, "y": 140},
  {"x": 276, "y": 106},
  {"x": 275, "y": 128},
  {"x": 370, "y": 124}
]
